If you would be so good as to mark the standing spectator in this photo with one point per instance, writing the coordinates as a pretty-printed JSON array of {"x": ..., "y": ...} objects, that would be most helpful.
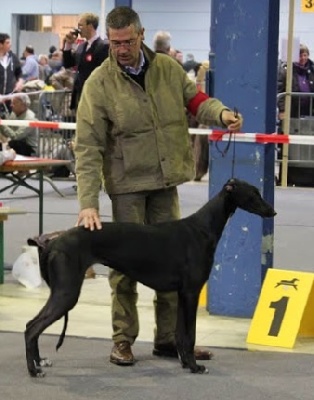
[
  {"x": 132, "y": 130},
  {"x": 44, "y": 68},
  {"x": 10, "y": 70},
  {"x": 87, "y": 56},
  {"x": 52, "y": 49},
  {"x": 162, "y": 42},
  {"x": 56, "y": 61},
  {"x": 302, "y": 81},
  {"x": 190, "y": 63},
  {"x": 24, "y": 140},
  {"x": 30, "y": 69}
]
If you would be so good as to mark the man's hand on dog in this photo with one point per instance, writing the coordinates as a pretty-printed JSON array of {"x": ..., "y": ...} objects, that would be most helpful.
[{"x": 89, "y": 217}]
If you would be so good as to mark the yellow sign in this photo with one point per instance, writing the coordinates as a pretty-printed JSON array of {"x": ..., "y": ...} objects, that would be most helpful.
[
  {"x": 285, "y": 309},
  {"x": 307, "y": 5},
  {"x": 202, "y": 302}
]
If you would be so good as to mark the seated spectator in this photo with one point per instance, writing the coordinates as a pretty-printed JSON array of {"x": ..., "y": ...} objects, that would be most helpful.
[
  {"x": 44, "y": 68},
  {"x": 30, "y": 69},
  {"x": 23, "y": 140}
]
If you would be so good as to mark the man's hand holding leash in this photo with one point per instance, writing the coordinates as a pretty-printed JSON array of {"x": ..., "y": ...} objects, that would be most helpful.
[{"x": 232, "y": 119}]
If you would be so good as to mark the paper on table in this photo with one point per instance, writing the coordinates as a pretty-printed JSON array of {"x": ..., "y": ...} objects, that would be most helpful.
[{"x": 19, "y": 157}]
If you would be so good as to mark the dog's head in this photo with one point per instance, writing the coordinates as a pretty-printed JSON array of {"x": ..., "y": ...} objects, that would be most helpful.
[
  {"x": 248, "y": 198},
  {"x": 42, "y": 241}
]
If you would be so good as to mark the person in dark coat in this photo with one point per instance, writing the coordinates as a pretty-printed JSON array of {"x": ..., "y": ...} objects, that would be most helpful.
[
  {"x": 87, "y": 56},
  {"x": 10, "y": 72},
  {"x": 302, "y": 81}
]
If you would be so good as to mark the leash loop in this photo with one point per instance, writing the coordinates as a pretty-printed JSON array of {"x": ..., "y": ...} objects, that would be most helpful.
[{"x": 226, "y": 149}]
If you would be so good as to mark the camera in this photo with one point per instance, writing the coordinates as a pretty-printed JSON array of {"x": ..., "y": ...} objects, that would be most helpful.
[{"x": 75, "y": 31}]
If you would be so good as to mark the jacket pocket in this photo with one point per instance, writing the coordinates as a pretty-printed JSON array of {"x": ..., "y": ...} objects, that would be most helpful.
[{"x": 140, "y": 156}]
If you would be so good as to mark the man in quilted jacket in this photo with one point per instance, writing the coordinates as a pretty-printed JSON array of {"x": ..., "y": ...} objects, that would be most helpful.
[{"x": 132, "y": 131}]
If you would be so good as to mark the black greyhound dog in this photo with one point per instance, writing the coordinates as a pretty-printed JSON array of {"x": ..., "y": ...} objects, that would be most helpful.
[{"x": 172, "y": 256}]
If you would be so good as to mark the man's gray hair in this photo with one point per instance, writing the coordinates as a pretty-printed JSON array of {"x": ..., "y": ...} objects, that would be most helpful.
[
  {"x": 24, "y": 99},
  {"x": 162, "y": 41},
  {"x": 122, "y": 17}
]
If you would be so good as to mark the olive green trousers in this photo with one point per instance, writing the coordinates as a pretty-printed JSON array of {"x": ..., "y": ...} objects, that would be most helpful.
[{"x": 143, "y": 208}]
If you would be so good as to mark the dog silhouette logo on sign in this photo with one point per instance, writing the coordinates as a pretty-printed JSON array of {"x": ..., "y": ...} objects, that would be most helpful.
[{"x": 285, "y": 282}]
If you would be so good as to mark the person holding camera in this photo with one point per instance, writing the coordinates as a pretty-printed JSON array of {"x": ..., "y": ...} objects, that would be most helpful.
[{"x": 87, "y": 55}]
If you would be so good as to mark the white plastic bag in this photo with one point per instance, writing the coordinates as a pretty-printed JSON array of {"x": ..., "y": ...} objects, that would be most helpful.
[{"x": 26, "y": 268}]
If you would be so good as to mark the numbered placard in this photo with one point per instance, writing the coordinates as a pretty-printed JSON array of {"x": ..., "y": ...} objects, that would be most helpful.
[
  {"x": 307, "y": 5},
  {"x": 284, "y": 310}
]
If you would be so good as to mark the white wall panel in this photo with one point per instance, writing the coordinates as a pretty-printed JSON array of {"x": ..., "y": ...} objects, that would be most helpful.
[{"x": 187, "y": 20}]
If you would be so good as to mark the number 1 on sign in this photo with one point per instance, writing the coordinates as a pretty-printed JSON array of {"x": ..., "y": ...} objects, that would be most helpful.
[{"x": 280, "y": 307}]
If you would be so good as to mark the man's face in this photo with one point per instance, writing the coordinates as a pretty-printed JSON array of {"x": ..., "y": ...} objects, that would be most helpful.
[
  {"x": 125, "y": 45},
  {"x": 6, "y": 46},
  {"x": 85, "y": 29},
  {"x": 18, "y": 107},
  {"x": 303, "y": 58}
]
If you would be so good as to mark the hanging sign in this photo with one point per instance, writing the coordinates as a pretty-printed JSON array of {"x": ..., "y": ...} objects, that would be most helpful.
[{"x": 307, "y": 5}]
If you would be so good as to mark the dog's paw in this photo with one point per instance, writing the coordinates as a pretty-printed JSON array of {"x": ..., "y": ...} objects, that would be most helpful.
[
  {"x": 35, "y": 371},
  {"x": 40, "y": 374},
  {"x": 199, "y": 369},
  {"x": 45, "y": 362}
]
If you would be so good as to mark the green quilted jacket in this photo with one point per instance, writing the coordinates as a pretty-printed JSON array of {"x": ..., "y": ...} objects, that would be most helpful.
[{"x": 136, "y": 140}]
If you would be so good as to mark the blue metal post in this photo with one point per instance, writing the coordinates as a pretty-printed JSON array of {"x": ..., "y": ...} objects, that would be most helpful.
[
  {"x": 119, "y": 3},
  {"x": 244, "y": 42}
]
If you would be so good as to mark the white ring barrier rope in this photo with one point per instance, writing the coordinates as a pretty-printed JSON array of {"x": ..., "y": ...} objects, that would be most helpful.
[{"x": 213, "y": 135}]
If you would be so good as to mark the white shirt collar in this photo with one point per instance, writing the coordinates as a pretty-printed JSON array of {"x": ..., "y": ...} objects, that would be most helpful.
[
  {"x": 91, "y": 41},
  {"x": 136, "y": 71}
]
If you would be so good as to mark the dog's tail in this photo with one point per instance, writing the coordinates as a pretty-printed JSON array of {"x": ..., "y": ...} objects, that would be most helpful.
[{"x": 61, "y": 338}]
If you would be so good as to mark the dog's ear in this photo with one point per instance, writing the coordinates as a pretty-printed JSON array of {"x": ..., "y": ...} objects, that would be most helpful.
[
  {"x": 43, "y": 240},
  {"x": 33, "y": 242}
]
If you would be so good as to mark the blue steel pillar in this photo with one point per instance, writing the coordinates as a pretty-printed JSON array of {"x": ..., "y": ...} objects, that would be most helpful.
[
  {"x": 244, "y": 47},
  {"x": 119, "y": 3}
]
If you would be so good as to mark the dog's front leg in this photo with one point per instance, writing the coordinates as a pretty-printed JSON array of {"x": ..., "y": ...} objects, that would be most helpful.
[{"x": 185, "y": 331}]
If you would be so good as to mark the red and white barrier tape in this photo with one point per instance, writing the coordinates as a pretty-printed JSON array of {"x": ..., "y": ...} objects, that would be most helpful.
[
  {"x": 214, "y": 135},
  {"x": 39, "y": 124}
]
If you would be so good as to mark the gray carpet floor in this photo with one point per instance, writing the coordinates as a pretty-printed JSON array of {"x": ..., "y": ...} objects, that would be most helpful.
[{"x": 82, "y": 370}]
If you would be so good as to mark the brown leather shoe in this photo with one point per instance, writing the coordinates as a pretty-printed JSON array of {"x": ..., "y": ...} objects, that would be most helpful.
[
  {"x": 170, "y": 350},
  {"x": 90, "y": 273},
  {"x": 121, "y": 354}
]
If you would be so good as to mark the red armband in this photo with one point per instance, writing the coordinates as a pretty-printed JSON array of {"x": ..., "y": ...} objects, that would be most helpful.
[{"x": 194, "y": 103}]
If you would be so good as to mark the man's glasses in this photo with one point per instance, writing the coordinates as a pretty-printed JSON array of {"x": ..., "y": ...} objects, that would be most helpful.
[{"x": 124, "y": 43}]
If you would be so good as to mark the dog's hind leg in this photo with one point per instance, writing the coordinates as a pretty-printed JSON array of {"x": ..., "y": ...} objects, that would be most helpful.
[
  {"x": 56, "y": 307},
  {"x": 186, "y": 331}
]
